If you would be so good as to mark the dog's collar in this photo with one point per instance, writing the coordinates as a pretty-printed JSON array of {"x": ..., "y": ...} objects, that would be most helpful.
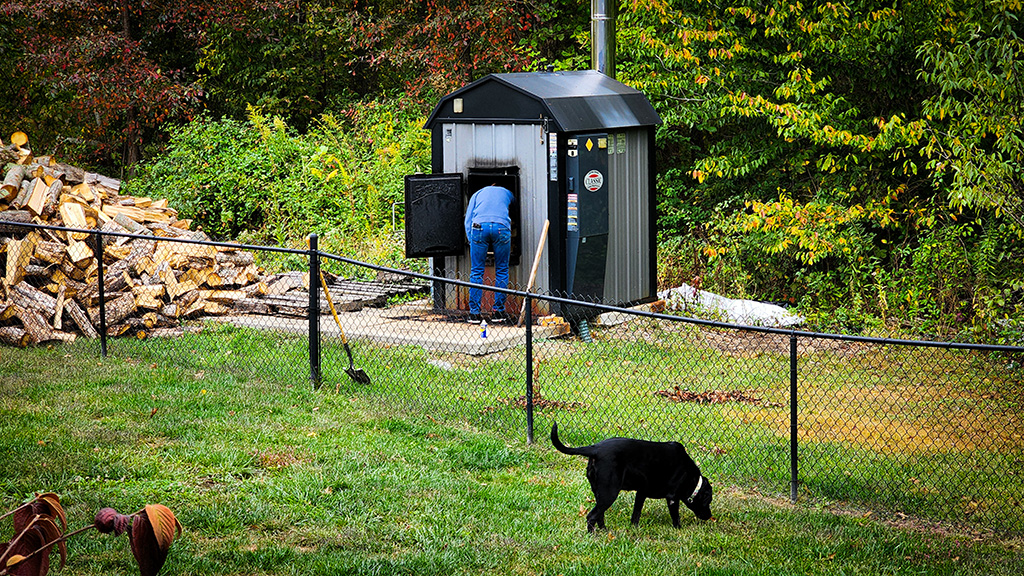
[{"x": 700, "y": 483}]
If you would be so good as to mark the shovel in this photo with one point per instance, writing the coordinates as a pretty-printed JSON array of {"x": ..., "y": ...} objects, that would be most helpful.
[{"x": 356, "y": 374}]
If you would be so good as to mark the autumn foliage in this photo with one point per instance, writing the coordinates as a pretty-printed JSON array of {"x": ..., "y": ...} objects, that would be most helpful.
[
  {"x": 40, "y": 527},
  {"x": 102, "y": 79}
]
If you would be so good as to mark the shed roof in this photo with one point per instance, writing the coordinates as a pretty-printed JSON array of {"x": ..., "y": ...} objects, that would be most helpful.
[{"x": 574, "y": 101}]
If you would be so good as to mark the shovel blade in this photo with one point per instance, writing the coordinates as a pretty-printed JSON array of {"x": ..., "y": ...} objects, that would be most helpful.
[{"x": 357, "y": 375}]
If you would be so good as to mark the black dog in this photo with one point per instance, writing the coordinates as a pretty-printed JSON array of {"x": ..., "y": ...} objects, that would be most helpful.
[{"x": 653, "y": 469}]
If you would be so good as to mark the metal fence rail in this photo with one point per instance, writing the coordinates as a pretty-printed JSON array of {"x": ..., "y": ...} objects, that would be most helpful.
[{"x": 927, "y": 429}]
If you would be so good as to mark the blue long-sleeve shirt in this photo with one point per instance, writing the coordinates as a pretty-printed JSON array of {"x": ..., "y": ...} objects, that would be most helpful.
[{"x": 489, "y": 204}]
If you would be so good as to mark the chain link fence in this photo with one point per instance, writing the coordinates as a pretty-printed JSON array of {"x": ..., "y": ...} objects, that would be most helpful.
[{"x": 927, "y": 430}]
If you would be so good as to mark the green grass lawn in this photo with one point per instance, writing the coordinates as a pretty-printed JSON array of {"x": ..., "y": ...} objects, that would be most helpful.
[{"x": 269, "y": 476}]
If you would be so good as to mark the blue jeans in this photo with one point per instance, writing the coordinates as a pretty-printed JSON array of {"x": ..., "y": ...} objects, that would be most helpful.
[{"x": 490, "y": 236}]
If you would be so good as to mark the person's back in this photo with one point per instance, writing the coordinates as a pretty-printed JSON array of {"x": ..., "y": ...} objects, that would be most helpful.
[
  {"x": 489, "y": 204},
  {"x": 489, "y": 228}
]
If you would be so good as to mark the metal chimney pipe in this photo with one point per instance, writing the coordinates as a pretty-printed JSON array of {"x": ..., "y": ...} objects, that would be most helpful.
[{"x": 602, "y": 36}]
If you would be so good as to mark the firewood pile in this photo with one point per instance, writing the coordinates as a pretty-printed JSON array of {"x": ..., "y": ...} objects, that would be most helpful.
[{"x": 49, "y": 290}]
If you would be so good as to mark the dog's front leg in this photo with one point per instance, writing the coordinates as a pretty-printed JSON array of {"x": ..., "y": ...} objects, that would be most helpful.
[
  {"x": 638, "y": 505},
  {"x": 673, "y": 511},
  {"x": 595, "y": 518}
]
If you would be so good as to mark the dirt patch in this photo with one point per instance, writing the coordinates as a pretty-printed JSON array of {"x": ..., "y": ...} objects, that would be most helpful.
[
  {"x": 716, "y": 397},
  {"x": 733, "y": 342},
  {"x": 907, "y": 420},
  {"x": 277, "y": 460},
  {"x": 744, "y": 344},
  {"x": 539, "y": 403}
]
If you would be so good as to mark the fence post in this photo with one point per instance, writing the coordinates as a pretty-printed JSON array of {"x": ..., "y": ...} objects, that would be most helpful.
[
  {"x": 314, "y": 311},
  {"x": 792, "y": 419},
  {"x": 98, "y": 249},
  {"x": 529, "y": 369}
]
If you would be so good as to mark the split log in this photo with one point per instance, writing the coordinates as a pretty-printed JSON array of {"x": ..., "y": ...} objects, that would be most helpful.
[
  {"x": 36, "y": 326},
  {"x": 83, "y": 191},
  {"x": 222, "y": 296},
  {"x": 113, "y": 281},
  {"x": 216, "y": 308},
  {"x": 12, "y": 183},
  {"x": 117, "y": 251},
  {"x": 149, "y": 297},
  {"x": 197, "y": 306},
  {"x": 50, "y": 199},
  {"x": 51, "y": 252},
  {"x": 37, "y": 197},
  {"x": 27, "y": 187},
  {"x": 109, "y": 227},
  {"x": 118, "y": 330},
  {"x": 117, "y": 310},
  {"x": 170, "y": 252},
  {"x": 20, "y": 216},
  {"x": 69, "y": 270},
  {"x": 70, "y": 174},
  {"x": 251, "y": 306},
  {"x": 161, "y": 229},
  {"x": 256, "y": 289},
  {"x": 131, "y": 212},
  {"x": 58, "y": 314},
  {"x": 73, "y": 216},
  {"x": 14, "y": 336},
  {"x": 99, "y": 180},
  {"x": 28, "y": 297},
  {"x": 236, "y": 258},
  {"x": 80, "y": 253},
  {"x": 186, "y": 299},
  {"x": 19, "y": 253},
  {"x": 182, "y": 290},
  {"x": 59, "y": 278},
  {"x": 7, "y": 310},
  {"x": 80, "y": 319},
  {"x": 126, "y": 221}
]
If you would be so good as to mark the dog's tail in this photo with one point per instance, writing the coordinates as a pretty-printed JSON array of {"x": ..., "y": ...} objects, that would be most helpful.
[{"x": 562, "y": 447}]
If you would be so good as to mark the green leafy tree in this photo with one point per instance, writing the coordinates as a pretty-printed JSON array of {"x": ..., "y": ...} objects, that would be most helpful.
[
  {"x": 804, "y": 154},
  {"x": 976, "y": 115}
]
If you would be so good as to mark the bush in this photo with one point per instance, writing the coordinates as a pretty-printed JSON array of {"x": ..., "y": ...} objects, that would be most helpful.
[
  {"x": 865, "y": 267},
  {"x": 261, "y": 182}
]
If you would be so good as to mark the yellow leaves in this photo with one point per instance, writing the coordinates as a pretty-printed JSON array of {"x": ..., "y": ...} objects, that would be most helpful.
[
  {"x": 165, "y": 525},
  {"x": 715, "y": 252},
  {"x": 812, "y": 231}
]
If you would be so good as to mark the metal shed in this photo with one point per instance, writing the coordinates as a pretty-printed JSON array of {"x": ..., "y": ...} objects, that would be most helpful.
[{"x": 576, "y": 149}]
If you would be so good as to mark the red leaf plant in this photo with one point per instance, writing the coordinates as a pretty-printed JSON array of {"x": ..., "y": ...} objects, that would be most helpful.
[{"x": 40, "y": 524}]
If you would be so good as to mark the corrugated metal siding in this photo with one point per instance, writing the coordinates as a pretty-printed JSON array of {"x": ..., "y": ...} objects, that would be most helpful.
[
  {"x": 473, "y": 146},
  {"x": 628, "y": 272}
]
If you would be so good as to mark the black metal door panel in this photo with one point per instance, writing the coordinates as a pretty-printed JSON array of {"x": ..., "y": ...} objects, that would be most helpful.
[{"x": 434, "y": 213}]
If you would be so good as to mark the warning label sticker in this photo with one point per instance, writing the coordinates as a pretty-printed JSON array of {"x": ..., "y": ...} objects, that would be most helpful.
[{"x": 593, "y": 181}]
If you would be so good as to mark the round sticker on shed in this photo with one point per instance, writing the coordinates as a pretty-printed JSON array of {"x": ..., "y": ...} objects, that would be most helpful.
[{"x": 593, "y": 181}]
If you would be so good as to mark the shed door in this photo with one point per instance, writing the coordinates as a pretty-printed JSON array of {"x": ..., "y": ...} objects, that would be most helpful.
[{"x": 434, "y": 212}]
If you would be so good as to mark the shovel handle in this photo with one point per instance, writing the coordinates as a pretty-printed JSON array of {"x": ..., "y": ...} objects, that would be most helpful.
[{"x": 335, "y": 314}]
